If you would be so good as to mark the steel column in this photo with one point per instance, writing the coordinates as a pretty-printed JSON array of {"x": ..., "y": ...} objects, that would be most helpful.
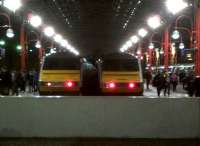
[
  {"x": 166, "y": 48},
  {"x": 150, "y": 53},
  {"x": 197, "y": 53},
  {"x": 23, "y": 50}
]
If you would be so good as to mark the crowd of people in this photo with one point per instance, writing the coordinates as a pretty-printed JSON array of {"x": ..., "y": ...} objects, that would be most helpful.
[
  {"x": 164, "y": 81},
  {"x": 15, "y": 82}
]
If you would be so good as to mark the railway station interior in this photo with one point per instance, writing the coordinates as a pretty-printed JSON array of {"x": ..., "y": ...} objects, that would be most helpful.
[{"x": 100, "y": 72}]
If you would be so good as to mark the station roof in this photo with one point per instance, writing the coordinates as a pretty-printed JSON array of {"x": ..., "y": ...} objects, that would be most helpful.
[{"x": 95, "y": 26}]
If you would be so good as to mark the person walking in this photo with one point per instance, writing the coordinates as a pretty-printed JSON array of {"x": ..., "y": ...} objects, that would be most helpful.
[
  {"x": 159, "y": 83},
  {"x": 167, "y": 84},
  {"x": 174, "y": 81},
  {"x": 148, "y": 77}
]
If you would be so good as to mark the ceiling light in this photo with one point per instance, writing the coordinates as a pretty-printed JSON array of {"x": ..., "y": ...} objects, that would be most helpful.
[
  {"x": 35, "y": 21},
  {"x": 175, "y": 6},
  {"x": 129, "y": 44},
  {"x": 10, "y": 33},
  {"x": 49, "y": 31},
  {"x": 142, "y": 32},
  {"x": 64, "y": 43},
  {"x": 58, "y": 38},
  {"x": 154, "y": 22},
  {"x": 181, "y": 46},
  {"x": 151, "y": 46},
  {"x": 12, "y": 5},
  {"x": 134, "y": 39},
  {"x": 176, "y": 34},
  {"x": 38, "y": 45}
]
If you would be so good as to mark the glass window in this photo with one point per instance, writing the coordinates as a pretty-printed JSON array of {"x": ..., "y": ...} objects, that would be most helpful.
[
  {"x": 61, "y": 63},
  {"x": 120, "y": 65}
]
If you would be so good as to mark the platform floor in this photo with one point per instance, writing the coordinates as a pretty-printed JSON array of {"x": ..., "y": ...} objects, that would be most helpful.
[{"x": 98, "y": 142}]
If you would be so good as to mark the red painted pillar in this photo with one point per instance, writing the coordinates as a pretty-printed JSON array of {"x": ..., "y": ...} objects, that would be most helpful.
[
  {"x": 150, "y": 53},
  {"x": 197, "y": 53},
  {"x": 166, "y": 48},
  {"x": 23, "y": 50}
]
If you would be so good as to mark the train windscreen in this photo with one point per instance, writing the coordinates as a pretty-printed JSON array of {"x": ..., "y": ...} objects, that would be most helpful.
[
  {"x": 120, "y": 65},
  {"x": 61, "y": 63}
]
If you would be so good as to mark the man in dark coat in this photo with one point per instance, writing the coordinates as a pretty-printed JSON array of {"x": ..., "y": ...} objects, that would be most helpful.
[
  {"x": 148, "y": 77},
  {"x": 197, "y": 86},
  {"x": 159, "y": 82}
]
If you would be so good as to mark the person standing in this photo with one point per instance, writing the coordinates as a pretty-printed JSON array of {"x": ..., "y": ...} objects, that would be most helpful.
[
  {"x": 190, "y": 84},
  {"x": 8, "y": 82},
  {"x": 31, "y": 81},
  {"x": 197, "y": 86},
  {"x": 13, "y": 78},
  {"x": 23, "y": 82},
  {"x": 35, "y": 80},
  {"x": 148, "y": 79},
  {"x": 17, "y": 85}
]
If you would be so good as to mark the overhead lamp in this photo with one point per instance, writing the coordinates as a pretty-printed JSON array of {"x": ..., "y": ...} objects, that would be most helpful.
[
  {"x": 38, "y": 44},
  {"x": 161, "y": 51},
  {"x": 57, "y": 38},
  {"x": 134, "y": 39},
  {"x": 64, "y": 43},
  {"x": 151, "y": 46},
  {"x": 176, "y": 34},
  {"x": 125, "y": 47},
  {"x": 52, "y": 51},
  {"x": 12, "y": 5},
  {"x": 76, "y": 53},
  {"x": 10, "y": 33},
  {"x": 70, "y": 48},
  {"x": 49, "y": 31},
  {"x": 2, "y": 42},
  {"x": 73, "y": 50},
  {"x": 122, "y": 50},
  {"x": 142, "y": 32},
  {"x": 154, "y": 21},
  {"x": 139, "y": 52},
  {"x": 19, "y": 47},
  {"x": 175, "y": 6},
  {"x": 35, "y": 21},
  {"x": 181, "y": 46},
  {"x": 129, "y": 44}
]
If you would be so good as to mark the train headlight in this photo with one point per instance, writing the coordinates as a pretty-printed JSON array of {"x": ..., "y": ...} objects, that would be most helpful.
[{"x": 49, "y": 84}]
